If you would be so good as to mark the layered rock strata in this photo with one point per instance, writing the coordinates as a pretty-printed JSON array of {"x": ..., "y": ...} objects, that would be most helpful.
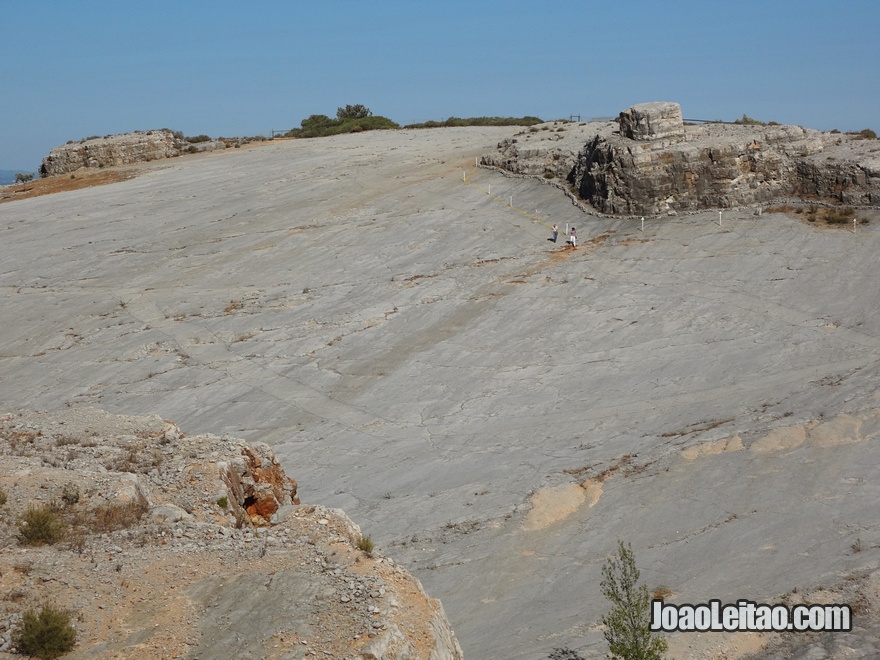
[
  {"x": 651, "y": 121},
  {"x": 648, "y": 163},
  {"x": 124, "y": 149}
]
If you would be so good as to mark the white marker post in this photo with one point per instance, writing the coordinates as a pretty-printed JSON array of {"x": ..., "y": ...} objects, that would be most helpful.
[
  {"x": 719, "y": 218},
  {"x": 511, "y": 200},
  {"x": 490, "y": 190},
  {"x": 463, "y": 175},
  {"x": 854, "y": 225},
  {"x": 643, "y": 224}
]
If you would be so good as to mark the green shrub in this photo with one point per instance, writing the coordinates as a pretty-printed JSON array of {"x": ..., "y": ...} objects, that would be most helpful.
[
  {"x": 354, "y": 119},
  {"x": 365, "y": 544},
  {"x": 323, "y": 126},
  {"x": 365, "y": 124},
  {"x": 40, "y": 525},
  {"x": 358, "y": 111},
  {"x": 223, "y": 502},
  {"x": 45, "y": 634},
  {"x": 749, "y": 121}
]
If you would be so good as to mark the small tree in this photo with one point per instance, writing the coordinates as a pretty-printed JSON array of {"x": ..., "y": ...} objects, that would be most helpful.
[
  {"x": 628, "y": 624},
  {"x": 353, "y": 112},
  {"x": 24, "y": 178}
]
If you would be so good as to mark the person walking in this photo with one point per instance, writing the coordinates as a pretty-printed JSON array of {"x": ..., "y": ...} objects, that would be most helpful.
[
  {"x": 555, "y": 232},
  {"x": 572, "y": 238}
]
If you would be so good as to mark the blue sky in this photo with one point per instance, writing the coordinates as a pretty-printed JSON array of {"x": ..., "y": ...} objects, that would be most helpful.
[{"x": 74, "y": 69}]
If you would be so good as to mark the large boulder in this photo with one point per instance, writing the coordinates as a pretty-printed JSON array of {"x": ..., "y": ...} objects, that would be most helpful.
[
  {"x": 257, "y": 483},
  {"x": 652, "y": 121}
]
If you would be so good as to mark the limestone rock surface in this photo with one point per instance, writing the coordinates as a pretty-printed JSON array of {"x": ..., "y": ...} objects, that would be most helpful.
[
  {"x": 124, "y": 149},
  {"x": 501, "y": 409},
  {"x": 649, "y": 164},
  {"x": 650, "y": 121}
]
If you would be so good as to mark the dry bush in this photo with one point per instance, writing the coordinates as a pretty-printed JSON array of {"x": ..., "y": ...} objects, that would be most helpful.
[
  {"x": 21, "y": 443},
  {"x": 840, "y": 216},
  {"x": 16, "y": 595},
  {"x": 41, "y": 525},
  {"x": 77, "y": 540},
  {"x": 136, "y": 459},
  {"x": 112, "y": 516}
]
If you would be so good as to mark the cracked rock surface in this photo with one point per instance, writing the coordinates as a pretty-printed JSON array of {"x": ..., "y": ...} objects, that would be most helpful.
[{"x": 495, "y": 410}]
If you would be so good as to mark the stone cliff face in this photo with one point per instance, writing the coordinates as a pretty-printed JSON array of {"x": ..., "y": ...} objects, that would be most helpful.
[
  {"x": 193, "y": 547},
  {"x": 654, "y": 165},
  {"x": 125, "y": 149}
]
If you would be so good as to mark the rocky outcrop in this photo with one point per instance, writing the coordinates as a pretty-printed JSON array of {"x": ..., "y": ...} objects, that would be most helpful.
[
  {"x": 194, "y": 547},
  {"x": 652, "y": 121},
  {"x": 124, "y": 149},
  {"x": 649, "y": 163},
  {"x": 257, "y": 483}
]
